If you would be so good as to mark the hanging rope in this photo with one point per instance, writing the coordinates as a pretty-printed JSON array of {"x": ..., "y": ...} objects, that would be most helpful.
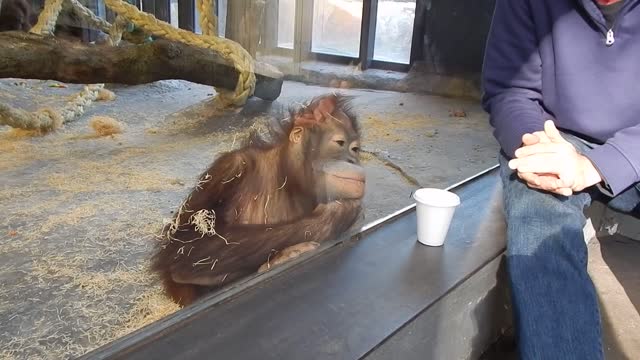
[
  {"x": 208, "y": 20},
  {"x": 229, "y": 50},
  {"x": 87, "y": 15},
  {"x": 47, "y": 18},
  {"x": 117, "y": 29}
]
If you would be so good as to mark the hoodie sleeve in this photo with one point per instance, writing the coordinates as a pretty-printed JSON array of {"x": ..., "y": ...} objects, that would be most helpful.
[
  {"x": 511, "y": 75},
  {"x": 618, "y": 160}
]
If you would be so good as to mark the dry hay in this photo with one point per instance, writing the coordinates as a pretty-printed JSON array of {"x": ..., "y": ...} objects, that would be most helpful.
[
  {"x": 98, "y": 305},
  {"x": 106, "y": 126},
  {"x": 149, "y": 307},
  {"x": 70, "y": 218},
  {"x": 109, "y": 176},
  {"x": 80, "y": 229},
  {"x": 393, "y": 127},
  {"x": 87, "y": 303},
  {"x": 17, "y": 133},
  {"x": 105, "y": 95},
  {"x": 19, "y": 148},
  {"x": 152, "y": 130}
]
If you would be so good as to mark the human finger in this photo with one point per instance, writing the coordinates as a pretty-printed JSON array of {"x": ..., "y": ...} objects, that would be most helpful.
[
  {"x": 544, "y": 148},
  {"x": 537, "y": 163},
  {"x": 530, "y": 139},
  {"x": 544, "y": 181},
  {"x": 530, "y": 178},
  {"x": 563, "y": 191},
  {"x": 552, "y": 132},
  {"x": 542, "y": 136}
]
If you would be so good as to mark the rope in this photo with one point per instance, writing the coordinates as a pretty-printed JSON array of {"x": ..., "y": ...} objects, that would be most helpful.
[
  {"x": 47, "y": 18},
  {"x": 75, "y": 107},
  {"x": 229, "y": 50},
  {"x": 44, "y": 120},
  {"x": 117, "y": 29},
  {"x": 88, "y": 16},
  {"x": 208, "y": 20},
  {"x": 48, "y": 119}
]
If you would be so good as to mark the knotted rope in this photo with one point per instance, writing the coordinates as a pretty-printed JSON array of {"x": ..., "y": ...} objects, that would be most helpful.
[
  {"x": 228, "y": 49},
  {"x": 48, "y": 119}
]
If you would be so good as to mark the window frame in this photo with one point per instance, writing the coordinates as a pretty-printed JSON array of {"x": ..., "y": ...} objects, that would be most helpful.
[{"x": 303, "y": 37}]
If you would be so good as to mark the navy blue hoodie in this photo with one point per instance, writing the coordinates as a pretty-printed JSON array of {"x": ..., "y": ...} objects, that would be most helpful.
[{"x": 556, "y": 59}]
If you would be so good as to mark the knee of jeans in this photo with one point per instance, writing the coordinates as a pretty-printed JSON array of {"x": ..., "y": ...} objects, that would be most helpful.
[{"x": 547, "y": 248}]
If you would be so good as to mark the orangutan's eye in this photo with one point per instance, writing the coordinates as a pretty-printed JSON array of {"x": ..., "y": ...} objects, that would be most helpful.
[{"x": 340, "y": 142}]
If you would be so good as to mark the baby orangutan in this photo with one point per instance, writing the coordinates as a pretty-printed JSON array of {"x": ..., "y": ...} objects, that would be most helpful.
[{"x": 267, "y": 202}]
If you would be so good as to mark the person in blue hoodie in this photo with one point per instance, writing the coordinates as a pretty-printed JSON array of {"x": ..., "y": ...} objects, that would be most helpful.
[{"x": 561, "y": 84}]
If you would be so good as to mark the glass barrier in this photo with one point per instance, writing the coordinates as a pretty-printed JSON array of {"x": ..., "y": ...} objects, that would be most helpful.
[{"x": 112, "y": 113}]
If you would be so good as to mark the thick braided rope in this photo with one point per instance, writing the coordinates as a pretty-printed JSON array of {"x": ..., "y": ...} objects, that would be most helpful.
[
  {"x": 44, "y": 119},
  {"x": 88, "y": 16},
  {"x": 208, "y": 20},
  {"x": 229, "y": 50},
  {"x": 48, "y": 18},
  {"x": 117, "y": 29},
  {"x": 49, "y": 119},
  {"x": 75, "y": 107}
]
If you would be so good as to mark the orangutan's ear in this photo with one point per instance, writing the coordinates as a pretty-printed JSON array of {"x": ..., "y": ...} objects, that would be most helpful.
[{"x": 295, "y": 136}]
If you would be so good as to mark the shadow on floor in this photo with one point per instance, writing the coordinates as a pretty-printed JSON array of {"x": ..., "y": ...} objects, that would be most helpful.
[{"x": 622, "y": 256}]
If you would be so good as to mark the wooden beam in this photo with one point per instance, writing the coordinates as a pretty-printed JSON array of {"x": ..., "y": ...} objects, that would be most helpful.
[
  {"x": 244, "y": 23},
  {"x": 30, "y": 56}
]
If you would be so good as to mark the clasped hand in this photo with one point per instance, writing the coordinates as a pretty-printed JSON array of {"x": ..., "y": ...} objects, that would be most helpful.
[{"x": 548, "y": 162}]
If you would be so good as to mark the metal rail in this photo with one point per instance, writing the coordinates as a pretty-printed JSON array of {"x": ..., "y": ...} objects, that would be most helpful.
[{"x": 162, "y": 328}]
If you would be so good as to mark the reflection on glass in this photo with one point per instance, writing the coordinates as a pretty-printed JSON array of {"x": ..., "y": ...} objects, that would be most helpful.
[
  {"x": 174, "y": 13},
  {"x": 196, "y": 26},
  {"x": 222, "y": 19},
  {"x": 394, "y": 30},
  {"x": 336, "y": 27},
  {"x": 286, "y": 23}
]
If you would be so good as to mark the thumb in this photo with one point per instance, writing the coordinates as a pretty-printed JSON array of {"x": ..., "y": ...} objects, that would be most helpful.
[
  {"x": 529, "y": 139},
  {"x": 552, "y": 132}
]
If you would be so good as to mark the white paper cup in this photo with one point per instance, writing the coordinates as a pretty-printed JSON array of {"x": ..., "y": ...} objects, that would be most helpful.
[{"x": 434, "y": 210}]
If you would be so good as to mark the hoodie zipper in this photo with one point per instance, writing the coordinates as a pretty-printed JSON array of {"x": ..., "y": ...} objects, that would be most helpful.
[
  {"x": 609, "y": 33},
  {"x": 610, "y": 37}
]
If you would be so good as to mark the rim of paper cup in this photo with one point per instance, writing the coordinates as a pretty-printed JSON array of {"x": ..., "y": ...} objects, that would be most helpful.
[{"x": 436, "y": 197}]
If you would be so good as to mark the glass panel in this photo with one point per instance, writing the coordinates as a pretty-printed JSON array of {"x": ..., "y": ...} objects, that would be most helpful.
[
  {"x": 286, "y": 23},
  {"x": 196, "y": 19},
  {"x": 174, "y": 13},
  {"x": 94, "y": 197},
  {"x": 336, "y": 27},
  {"x": 394, "y": 30}
]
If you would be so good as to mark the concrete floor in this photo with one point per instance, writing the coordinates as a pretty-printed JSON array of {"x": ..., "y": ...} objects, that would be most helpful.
[
  {"x": 613, "y": 266},
  {"x": 81, "y": 211}
]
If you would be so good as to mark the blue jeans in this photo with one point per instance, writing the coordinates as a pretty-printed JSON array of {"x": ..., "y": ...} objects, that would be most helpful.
[{"x": 555, "y": 306}]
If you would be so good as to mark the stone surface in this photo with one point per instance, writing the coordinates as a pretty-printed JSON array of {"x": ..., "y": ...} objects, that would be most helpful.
[{"x": 81, "y": 212}]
